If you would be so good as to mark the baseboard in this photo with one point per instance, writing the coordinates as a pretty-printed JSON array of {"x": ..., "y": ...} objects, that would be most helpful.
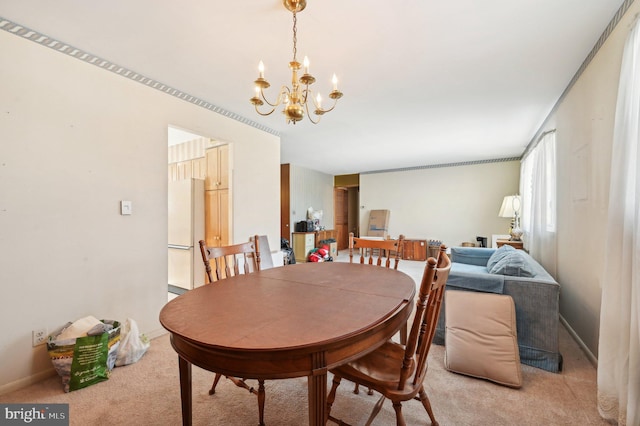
[
  {"x": 27, "y": 381},
  {"x": 590, "y": 356},
  {"x": 156, "y": 333}
]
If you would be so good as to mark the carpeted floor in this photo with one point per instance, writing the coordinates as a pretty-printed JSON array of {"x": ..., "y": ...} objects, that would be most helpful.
[{"x": 147, "y": 393}]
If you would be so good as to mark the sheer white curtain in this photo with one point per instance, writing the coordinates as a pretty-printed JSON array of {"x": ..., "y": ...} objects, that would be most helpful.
[
  {"x": 619, "y": 345},
  {"x": 538, "y": 194}
]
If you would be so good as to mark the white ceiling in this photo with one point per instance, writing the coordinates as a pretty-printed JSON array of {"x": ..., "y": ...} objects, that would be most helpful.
[{"x": 425, "y": 82}]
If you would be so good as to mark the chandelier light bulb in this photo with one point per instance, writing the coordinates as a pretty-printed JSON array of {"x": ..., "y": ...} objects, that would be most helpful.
[
  {"x": 334, "y": 80},
  {"x": 306, "y": 65},
  {"x": 319, "y": 101},
  {"x": 261, "y": 69}
]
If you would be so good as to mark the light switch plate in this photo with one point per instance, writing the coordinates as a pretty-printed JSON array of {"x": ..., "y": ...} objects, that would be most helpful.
[{"x": 126, "y": 208}]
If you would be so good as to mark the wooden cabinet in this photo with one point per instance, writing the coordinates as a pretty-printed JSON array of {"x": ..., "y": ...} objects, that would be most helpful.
[
  {"x": 217, "y": 218},
  {"x": 214, "y": 169},
  {"x": 217, "y": 168},
  {"x": 325, "y": 235},
  {"x": 414, "y": 250},
  {"x": 515, "y": 244},
  {"x": 217, "y": 197},
  {"x": 303, "y": 243}
]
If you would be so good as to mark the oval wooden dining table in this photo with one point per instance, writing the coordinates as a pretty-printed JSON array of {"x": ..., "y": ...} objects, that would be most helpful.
[{"x": 292, "y": 321}]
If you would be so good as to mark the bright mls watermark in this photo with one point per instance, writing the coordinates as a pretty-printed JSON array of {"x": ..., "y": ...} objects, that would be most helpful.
[{"x": 34, "y": 414}]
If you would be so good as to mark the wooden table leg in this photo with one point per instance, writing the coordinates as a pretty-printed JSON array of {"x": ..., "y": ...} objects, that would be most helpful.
[
  {"x": 317, "y": 400},
  {"x": 317, "y": 385},
  {"x": 185, "y": 391}
]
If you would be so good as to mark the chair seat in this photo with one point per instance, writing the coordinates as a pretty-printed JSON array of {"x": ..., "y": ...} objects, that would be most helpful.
[{"x": 380, "y": 369}]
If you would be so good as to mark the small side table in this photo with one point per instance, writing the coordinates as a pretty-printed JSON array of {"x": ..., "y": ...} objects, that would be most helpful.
[{"x": 515, "y": 244}]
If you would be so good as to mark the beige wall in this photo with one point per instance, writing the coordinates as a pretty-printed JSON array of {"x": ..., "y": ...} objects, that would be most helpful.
[
  {"x": 452, "y": 204},
  {"x": 310, "y": 188},
  {"x": 584, "y": 122},
  {"x": 76, "y": 140}
]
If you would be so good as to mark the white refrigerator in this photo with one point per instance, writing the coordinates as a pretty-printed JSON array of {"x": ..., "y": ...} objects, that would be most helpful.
[{"x": 186, "y": 229}]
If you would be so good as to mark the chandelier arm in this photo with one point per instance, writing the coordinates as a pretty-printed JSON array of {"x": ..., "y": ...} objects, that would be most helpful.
[
  {"x": 335, "y": 102},
  {"x": 284, "y": 91},
  {"x": 306, "y": 106},
  {"x": 265, "y": 113},
  {"x": 305, "y": 95},
  {"x": 308, "y": 92}
]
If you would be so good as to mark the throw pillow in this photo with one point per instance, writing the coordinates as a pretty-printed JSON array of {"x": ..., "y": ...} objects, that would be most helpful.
[
  {"x": 480, "y": 337},
  {"x": 498, "y": 255},
  {"x": 514, "y": 264}
]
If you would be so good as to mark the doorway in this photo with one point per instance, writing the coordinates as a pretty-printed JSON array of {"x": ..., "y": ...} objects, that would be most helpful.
[
  {"x": 347, "y": 217},
  {"x": 186, "y": 210},
  {"x": 199, "y": 203}
]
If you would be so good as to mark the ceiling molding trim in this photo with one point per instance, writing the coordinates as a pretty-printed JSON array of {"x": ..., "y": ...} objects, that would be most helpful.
[
  {"x": 603, "y": 37},
  {"x": 437, "y": 166},
  {"x": 67, "y": 49}
]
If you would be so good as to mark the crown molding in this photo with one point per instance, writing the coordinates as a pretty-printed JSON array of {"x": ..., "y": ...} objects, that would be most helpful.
[
  {"x": 67, "y": 49},
  {"x": 437, "y": 166}
]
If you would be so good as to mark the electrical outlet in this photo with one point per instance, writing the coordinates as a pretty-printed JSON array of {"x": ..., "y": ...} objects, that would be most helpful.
[{"x": 39, "y": 336}]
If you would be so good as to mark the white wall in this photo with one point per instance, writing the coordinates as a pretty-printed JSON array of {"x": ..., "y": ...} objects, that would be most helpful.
[
  {"x": 76, "y": 140},
  {"x": 453, "y": 204},
  {"x": 584, "y": 122},
  {"x": 310, "y": 188}
]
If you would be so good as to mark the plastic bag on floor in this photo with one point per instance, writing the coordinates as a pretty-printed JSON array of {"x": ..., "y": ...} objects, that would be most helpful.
[
  {"x": 132, "y": 344},
  {"x": 83, "y": 356}
]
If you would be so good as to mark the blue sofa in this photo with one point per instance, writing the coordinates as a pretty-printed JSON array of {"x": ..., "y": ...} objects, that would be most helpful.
[{"x": 534, "y": 292}]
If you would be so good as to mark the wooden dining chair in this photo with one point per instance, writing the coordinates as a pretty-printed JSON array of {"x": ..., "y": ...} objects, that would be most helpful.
[
  {"x": 379, "y": 252},
  {"x": 394, "y": 370},
  {"x": 376, "y": 252},
  {"x": 266, "y": 261},
  {"x": 229, "y": 261}
]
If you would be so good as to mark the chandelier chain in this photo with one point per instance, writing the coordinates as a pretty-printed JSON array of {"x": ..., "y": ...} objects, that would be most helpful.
[{"x": 295, "y": 35}]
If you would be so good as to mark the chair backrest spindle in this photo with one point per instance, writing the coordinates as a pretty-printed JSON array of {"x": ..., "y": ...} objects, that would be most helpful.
[
  {"x": 378, "y": 252},
  {"x": 229, "y": 259}
]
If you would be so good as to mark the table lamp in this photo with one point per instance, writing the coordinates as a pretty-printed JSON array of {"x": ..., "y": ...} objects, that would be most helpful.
[{"x": 511, "y": 208}]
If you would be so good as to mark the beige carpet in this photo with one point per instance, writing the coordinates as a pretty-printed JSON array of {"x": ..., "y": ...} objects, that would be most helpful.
[{"x": 147, "y": 393}]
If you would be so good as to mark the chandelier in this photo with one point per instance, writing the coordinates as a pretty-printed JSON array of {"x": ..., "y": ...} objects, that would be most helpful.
[{"x": 296, "y": 99}]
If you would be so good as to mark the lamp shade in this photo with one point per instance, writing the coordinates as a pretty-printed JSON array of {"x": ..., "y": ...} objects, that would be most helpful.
[{"x": 510, "y": 206}]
